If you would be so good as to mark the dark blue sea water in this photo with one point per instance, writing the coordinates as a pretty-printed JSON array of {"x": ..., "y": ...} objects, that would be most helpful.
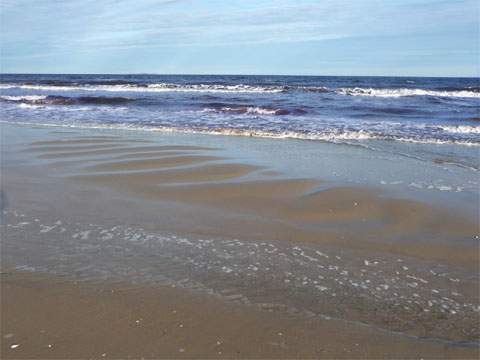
[{"x": 338, "y": 109}]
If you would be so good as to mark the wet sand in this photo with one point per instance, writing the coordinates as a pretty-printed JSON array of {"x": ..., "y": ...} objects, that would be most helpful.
[
  {"x": 363, "y": 215},
  {"x": 50, "y": 317},
  {"x": 152, "y": 164},
  {"x": 58, "y": 152},
  {"x": 243, "y": 233}
]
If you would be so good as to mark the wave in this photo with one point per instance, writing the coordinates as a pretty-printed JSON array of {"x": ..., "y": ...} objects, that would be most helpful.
[
  {"x": 253, "y": 110},
  {"x": 240, "y": 88},
  {"x": 161, "y": 87},
  {"x": 341, "y": 136},
  {"x": 23, "y": 98},
  {"x": 407, "y": 92},
  {"x": 309, "y": 89},
  {"x": 475, "y": 89},
  {"x": 74, "y": 83},
  {"x": 369, "y": 111},
  {"x": 125, "y": 86},
  {"x": 38, "y": 100},
  {"x": 460, "y": 129},
  {"x": 350, "y": 137},
  {"x": 64, "y": 100}
]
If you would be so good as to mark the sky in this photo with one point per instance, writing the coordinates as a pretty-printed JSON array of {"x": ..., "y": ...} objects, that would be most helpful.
[{"x": 285, "y": 37}]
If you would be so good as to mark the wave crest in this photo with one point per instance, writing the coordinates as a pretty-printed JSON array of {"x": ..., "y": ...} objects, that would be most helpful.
[
  {"x": 65, "y": 100},
  {"x": 253, "y": 110},
  {"x": 352, "y": 137},
  {"x": 461, "y": 129},
  {"x": 123, "y": 86},
  {"x": 160, "y": 87},
  {"x": 407, "y": 92}
]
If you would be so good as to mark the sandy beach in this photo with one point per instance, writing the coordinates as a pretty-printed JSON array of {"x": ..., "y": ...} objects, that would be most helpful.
[
  {"x": 51, "y": 317},
  {"x": 164, "y": 247},
  {"x": 239, "y": 179}
]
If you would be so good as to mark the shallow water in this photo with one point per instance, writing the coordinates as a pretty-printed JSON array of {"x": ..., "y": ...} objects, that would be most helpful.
[
  {"x": 393, "y": 293},
  {"x": 378, "y": 112}
]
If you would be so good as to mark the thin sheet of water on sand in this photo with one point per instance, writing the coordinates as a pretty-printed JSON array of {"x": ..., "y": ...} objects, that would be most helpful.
[{"x": 299, "y": 245}]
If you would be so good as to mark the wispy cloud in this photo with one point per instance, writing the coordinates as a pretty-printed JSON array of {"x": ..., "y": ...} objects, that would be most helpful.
[{"x": 83, "y": 28}]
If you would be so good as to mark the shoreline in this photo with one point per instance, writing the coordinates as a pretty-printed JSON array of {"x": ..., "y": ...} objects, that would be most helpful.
[
  {"x": 398, "y": 151},
  {"x": 351, "y": 139},
  {"x": 227, "y": 224}
]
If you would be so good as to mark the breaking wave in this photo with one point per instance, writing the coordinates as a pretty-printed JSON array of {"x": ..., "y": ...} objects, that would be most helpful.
[
  {"x": 24, "y": 98},
  {"x": 161, "y": 87},
  {"x": 123, "y": 86},
  {"x": 471, "y": 93},
  {"x": 341, "y": 136},
  {"x": 254, "y": 110},
  {"x": 214, "y": 88},
  {"x": 460, "y": 129},
  {"x": 65, "y": 100}
]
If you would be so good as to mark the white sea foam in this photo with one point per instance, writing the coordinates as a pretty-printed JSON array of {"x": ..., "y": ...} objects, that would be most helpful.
[
  {"x": 336, "y": 136},
  {"x": 437, "y": 141},
  {"x": 23, "y": 97},
  {"x": 260, "y": 111},
  {"x": 327, "y": 136},
  {"x": 460, "y": 129},
  {"x": 29, "y": 106},
  {"x": 161, "y": 87},
  {"x": 212, "y": 88},
  {"x": 251, "y": 110},
  {"x": 243, "y": 88},
  {"x": 406, "y": 92}
]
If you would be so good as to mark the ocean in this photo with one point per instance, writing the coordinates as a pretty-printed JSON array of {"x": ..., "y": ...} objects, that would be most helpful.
[{"x": 365, "y": 111}]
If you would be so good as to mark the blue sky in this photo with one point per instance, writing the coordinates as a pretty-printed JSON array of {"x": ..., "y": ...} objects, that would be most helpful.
[{"x": 322, "y": 37}]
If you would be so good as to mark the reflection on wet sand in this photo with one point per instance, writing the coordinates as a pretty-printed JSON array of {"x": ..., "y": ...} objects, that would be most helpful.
[{"x": 278, "y": 242}]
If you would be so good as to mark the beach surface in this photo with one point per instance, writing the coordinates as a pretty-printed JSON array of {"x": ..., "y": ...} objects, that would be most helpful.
[
  {"x": 181, "y": 245},
  {"x": 54, "y": 318}
]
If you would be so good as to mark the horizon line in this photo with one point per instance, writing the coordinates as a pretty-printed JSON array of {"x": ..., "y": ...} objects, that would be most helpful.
[{"x": 199, "y": 74}]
